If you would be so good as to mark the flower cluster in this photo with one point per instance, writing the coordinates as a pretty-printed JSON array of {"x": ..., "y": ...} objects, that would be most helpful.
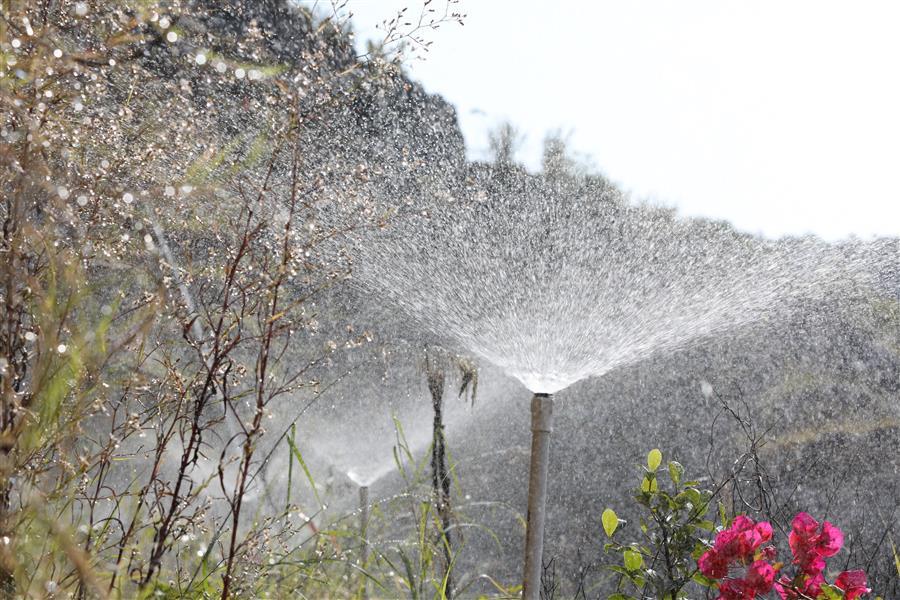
[
  {"x": 852, "y": 583},
  {"x": 739, "y": 546},
  {"x": 811, "y": 544},
  {"x": 743, "y": 567}
]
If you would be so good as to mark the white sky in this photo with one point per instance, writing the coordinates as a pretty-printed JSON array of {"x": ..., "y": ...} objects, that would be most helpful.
[{"x": 782, "y": 117}]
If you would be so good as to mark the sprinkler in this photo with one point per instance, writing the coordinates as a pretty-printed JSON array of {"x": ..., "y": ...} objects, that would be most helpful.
[
  {"x": 363, "y": 534},
  {"x": 541, "y": 426},
  {"x": 591, "y": 303}
]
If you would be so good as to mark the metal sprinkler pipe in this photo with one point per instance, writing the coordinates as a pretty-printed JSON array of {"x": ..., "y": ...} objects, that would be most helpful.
[
  {"x": 541, "y": 427},
  {"x": 363, "y": 534}
]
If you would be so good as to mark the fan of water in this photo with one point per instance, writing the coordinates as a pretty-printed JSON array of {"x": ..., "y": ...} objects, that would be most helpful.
[{"x": 558, "y": 280}]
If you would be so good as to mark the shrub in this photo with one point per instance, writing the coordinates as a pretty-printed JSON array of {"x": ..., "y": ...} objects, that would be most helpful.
[{"x": 674, "y": 557}]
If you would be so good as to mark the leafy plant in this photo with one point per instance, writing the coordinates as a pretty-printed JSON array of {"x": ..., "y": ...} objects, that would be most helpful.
[
  {"x": 663, "y": 560},
  {"x": 675, "y": 559}
]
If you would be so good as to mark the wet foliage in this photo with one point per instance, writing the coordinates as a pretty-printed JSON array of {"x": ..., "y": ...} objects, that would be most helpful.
[{"x": 228, "y": 236}]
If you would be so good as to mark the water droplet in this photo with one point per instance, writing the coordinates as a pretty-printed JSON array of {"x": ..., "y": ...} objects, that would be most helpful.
[{"x": 172, "y": 36}]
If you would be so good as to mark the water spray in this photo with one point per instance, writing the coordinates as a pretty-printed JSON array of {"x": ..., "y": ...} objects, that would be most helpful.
[
  {"x": 608, "y": 284},
  {"x": 541, "y": 427}
]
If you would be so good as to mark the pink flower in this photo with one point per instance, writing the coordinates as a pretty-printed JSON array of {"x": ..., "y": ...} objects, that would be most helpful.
[
  {"x": 737, "y": 544},
  {"x": 757, "y": 582},
  {"x": 783, "y": 587},
  {"x": 734, "y": 589},
  {"x": 713, "y": 565},
  {"x": 760, "y": 577},
  {"x": 812, "y": 545},
  {"x": 853, "y": 584},
  {"x": 802, "y": 586}
]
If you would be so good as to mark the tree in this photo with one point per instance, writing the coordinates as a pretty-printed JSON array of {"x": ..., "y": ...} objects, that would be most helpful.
[{"x": 504, "y": 142}]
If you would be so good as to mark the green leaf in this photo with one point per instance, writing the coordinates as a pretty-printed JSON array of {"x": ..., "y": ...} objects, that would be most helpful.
[
  {"x": 706, "y": 525},
  {"x": 654, "y": 459},
  {"x": 830, "y": 592},
  {"x": 649, "y": 485},
  {"x": 703, "y": 580},
  {"x": 633, "y": 560},
  {"x": 675, "y": 471},
  {"x": 699, "y": 549},
  {"x": 693, "y": 496},
  {"x": 299, "y": 458},
  {"x": 610, "y": 521}
]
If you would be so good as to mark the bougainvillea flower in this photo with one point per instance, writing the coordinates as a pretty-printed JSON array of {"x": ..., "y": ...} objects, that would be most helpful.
[
  {"x": 760, "y": 577},
  {"x": 852, "y": 583},
  {"x": 811, "y": 545},
  {"x": 713, "y": 565},
  {"x": 735, "y": 545},
  {"x": 802, "y": 586},
  {"x": 756, "y": 582},
  {"x": 784, "y": 589},
  {"x": 733, "y": 589}
]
